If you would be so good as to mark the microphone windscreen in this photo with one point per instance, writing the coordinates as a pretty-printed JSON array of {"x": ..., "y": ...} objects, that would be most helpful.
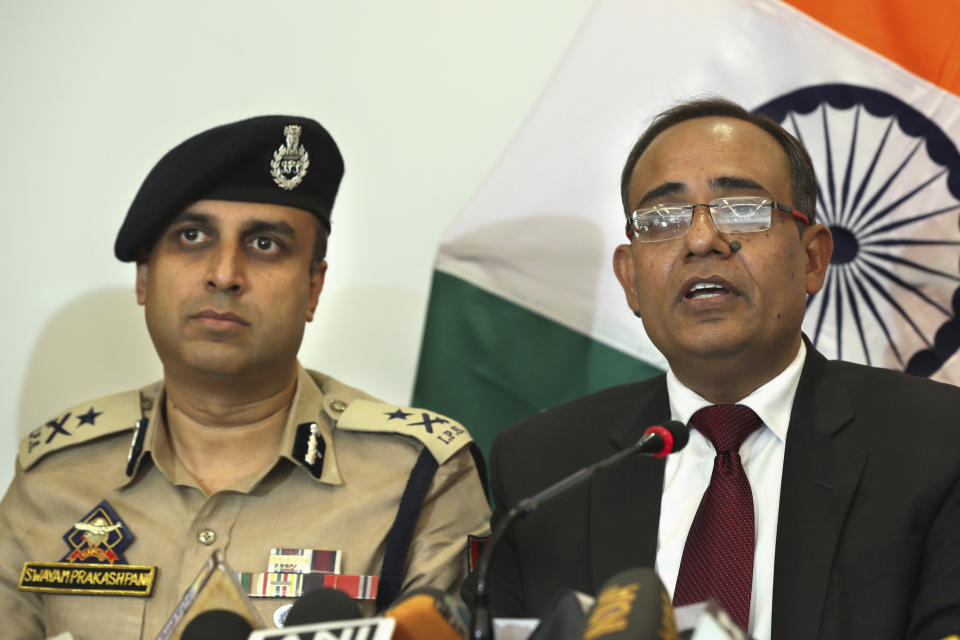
[
  {"x": 680, "y": 433},
  {"x": 632, "y": 604},
  {"x": 217, "y": 624},
  {"x": 428, "y": 613},
  {"x": 322, "y": 605},
  {"x": 563, "y": 618}
]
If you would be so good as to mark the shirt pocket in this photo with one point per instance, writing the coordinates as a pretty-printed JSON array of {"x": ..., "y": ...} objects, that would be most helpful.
[
  {"x": 894, "y": 561},
  {"x": 93, "y": 617},
  {"x": 869, "y": 593}
]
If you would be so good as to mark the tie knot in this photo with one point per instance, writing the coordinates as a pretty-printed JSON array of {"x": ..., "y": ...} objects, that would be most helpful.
[{"x": 726, "y": 425}]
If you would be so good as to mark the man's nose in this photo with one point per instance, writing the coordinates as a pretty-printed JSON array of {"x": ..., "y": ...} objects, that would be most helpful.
[
  {"x": 226, "y": 270},
  {"x": 702, "y": 237}
]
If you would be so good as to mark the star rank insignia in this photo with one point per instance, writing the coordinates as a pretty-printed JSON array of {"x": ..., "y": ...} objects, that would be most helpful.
[
  {"x": 426, "y": 420},
  {"x": 443, "y": 436},
  {"x": 100, "y": 537},
  {"x": 399, "y": 414},
  {"x": 89, "y": 417}
]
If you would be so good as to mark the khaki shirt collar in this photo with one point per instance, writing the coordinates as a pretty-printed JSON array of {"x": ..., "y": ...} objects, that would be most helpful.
[
  {"x": 152, "y": 399},
  {"x": 307, "y": 407}
]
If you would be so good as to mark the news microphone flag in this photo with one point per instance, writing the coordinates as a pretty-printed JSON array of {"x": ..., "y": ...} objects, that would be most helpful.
[
  {"x": 367, "y": 629},
  {"x": 631, "y": 604},
  {"x": 525, "y": 312},
  {"x": 426, "y": 612}
]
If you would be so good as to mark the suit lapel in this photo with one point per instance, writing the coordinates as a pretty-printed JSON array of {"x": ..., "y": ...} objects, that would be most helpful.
[
  {"x": 625, "y": 500},
  {"x": 819, "y": 479}
]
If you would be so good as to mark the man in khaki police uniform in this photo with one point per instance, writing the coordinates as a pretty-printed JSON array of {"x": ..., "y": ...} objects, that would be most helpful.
[{"x": 238, "y": 448}]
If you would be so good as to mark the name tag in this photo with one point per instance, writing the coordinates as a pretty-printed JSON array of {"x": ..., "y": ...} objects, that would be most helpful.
[{"x": 88, "y": 579}]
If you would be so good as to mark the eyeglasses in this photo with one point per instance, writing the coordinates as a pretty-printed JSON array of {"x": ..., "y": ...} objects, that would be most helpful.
[{"x": 730, "y": 215}]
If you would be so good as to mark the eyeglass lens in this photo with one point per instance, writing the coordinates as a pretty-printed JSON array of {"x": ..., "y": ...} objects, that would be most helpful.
[{"x": 730, "y": 215}]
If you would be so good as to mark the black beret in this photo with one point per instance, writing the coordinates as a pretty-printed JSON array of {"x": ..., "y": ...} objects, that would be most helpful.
[{"x": 282, "y": 160}]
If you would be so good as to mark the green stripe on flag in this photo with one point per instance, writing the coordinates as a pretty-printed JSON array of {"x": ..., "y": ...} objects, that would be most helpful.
[{"x": 489, "y": 363}]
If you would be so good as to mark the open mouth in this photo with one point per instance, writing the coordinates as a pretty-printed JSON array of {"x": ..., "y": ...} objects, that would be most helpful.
[{"x": 704, "y": 290}]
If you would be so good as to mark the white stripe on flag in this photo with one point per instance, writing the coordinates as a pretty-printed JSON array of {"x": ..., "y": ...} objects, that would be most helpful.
[{"x": 541, "y": 229}]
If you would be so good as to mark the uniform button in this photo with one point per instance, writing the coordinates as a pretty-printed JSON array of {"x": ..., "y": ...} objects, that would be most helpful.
[
  {"x": 338, "y": 405},
  {"x": 206, "y": 537},
  {"x": 146, "y": 404}
]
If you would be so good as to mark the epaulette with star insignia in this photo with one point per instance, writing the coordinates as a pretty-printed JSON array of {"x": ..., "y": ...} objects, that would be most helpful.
[
  {"x": 443, "y": 436},
  {"x": 82, "y": 423}
]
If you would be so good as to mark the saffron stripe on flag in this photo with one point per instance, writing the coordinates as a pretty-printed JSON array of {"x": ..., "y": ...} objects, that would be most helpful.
[{"x": 922, "y": 37}]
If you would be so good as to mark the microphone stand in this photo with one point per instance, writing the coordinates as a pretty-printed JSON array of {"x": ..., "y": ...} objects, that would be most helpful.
[{"x": 481, "y": 624}]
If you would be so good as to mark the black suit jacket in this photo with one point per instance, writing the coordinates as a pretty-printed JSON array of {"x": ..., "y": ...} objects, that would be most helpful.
[{"x": 868, "y": 538}]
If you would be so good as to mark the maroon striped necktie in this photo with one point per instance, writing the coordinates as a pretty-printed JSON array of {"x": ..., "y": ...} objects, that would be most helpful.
[{"x": 717, "y": 559}]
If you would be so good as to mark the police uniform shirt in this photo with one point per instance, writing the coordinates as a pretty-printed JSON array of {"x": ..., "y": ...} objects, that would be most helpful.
[{"x": 348, "y": 502}]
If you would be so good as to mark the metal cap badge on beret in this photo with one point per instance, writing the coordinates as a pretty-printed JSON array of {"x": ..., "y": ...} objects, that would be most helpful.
[{"x": 283, "y": 160}]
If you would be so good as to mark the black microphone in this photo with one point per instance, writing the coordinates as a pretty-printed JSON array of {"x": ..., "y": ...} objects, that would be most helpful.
[
  {"x": 217, "y": 624},
  {"x": 658, "y": 441},
  {"x": 632, "y": 604},
  {"x": 322, "y": 605}
]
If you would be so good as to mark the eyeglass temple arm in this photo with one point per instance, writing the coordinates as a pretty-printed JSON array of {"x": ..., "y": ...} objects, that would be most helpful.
[{"x": 792, "y": 212}]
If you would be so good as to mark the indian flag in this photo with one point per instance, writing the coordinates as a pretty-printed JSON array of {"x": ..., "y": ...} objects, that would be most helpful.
[{"x": 525, "y": 312}]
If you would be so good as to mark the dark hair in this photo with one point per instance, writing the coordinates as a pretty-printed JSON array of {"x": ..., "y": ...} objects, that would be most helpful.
[
  {"x": 802, "y": 178},
  {"x": 319, "y": 247}
]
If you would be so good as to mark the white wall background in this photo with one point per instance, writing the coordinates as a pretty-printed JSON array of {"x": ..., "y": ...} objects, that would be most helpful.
[{"x": 421, "y": 95}]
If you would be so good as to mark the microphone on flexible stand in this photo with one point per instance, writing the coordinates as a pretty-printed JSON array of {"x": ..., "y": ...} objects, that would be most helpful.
[{"x": 657, "y": 441}]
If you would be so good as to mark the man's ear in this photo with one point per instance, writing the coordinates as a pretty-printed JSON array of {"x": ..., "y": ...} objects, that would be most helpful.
[
  {"x": 316, "y": 286},
  {"x": 626, "y": 271},
  {"x": 141, "y": 282},
  {"x": 817, "y": 241}
]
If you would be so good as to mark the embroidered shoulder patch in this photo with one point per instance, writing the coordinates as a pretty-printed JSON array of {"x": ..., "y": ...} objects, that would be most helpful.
[
  {"x": 443, "y": 436},
  {"x": 100, "y": 537},
  {"x": 86, "y": 421}
]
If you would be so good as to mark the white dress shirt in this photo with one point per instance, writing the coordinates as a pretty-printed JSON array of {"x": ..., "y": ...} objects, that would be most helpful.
[{"x": 688, "y": 472}]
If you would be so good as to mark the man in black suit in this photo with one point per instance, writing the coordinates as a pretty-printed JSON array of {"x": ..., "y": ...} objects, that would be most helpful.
[{"x": 849, "y": 502}]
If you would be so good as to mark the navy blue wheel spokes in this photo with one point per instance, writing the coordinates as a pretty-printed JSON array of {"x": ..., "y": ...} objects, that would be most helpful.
[{"x": 888, "y": 187}]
